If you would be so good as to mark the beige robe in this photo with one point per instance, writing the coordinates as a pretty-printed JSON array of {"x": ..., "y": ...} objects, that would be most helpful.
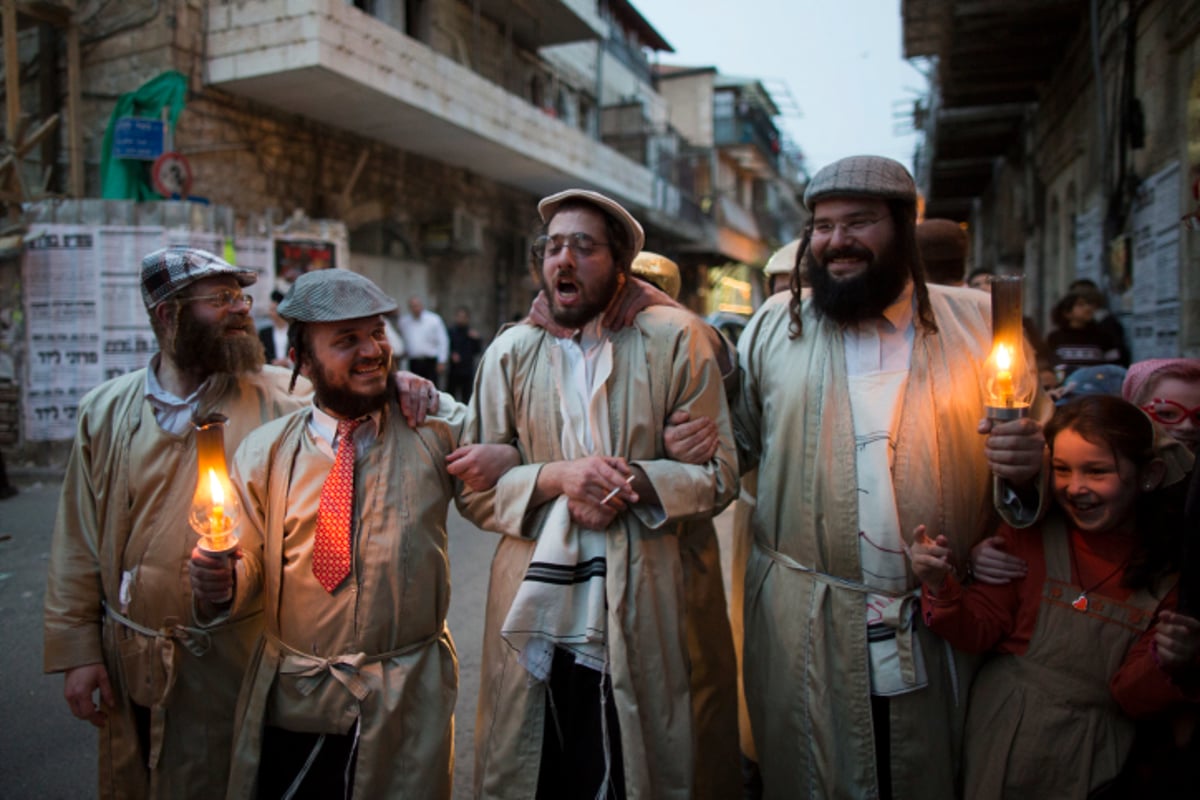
[
  {"x": 662, "y": 363},
  {"x": 806, "y": 667},
  {"x": 383, "y": 652},
  {"x": 124, "y": 507}
]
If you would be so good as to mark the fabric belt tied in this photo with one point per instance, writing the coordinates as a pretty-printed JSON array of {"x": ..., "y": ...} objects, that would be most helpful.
[
  {"x": 898, "y": 616},
  {"x": 197, "y": 641},
  {"x": 344, "y": 668}
]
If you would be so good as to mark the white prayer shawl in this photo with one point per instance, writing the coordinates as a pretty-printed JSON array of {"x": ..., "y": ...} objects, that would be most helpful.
[{"x": 561, "y": 601}]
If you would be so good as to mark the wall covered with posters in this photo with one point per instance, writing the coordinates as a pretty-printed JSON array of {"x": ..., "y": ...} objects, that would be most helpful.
[{"x": 81, "y": 298}]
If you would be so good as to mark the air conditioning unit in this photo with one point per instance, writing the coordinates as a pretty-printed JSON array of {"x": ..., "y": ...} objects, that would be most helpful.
[{"x": 468, "y": 232}]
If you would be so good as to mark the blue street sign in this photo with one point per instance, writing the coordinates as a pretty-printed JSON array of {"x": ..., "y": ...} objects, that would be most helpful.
[{"x": 138, "y": 138}]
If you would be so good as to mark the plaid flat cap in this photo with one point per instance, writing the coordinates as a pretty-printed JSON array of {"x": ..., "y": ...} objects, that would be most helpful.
[
  {"x": 167, "y": 271},
  {"x": 333, "y": 295},
  {"x": 872, "y": 176}
]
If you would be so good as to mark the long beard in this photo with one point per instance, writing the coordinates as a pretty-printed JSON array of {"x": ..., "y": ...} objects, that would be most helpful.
[
  {"x": 204, "y": 348},
  {"x": 864, "y": 296},
  {"x": 343, "y": 402}
]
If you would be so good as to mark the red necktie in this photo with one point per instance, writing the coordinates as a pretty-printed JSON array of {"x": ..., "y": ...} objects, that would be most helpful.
[{"x": 331, "y": 549}]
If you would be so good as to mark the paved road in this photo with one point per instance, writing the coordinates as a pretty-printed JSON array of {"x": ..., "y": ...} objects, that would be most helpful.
[{"x": 47, "y": 754}]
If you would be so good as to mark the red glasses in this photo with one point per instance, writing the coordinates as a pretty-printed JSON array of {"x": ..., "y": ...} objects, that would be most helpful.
[{"x": 1168, "y": 412}]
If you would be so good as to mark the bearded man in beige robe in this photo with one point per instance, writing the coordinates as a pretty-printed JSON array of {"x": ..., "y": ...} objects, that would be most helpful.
[
  {"x": 118, "y": 610},
  {"x": 862, "y": 407},
  {"x": 585, "y": 687},
  {"x": 351, "y": 689}
]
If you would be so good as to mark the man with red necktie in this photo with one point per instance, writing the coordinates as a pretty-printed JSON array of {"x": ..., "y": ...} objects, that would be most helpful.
[{"x": 352, "y": 689}]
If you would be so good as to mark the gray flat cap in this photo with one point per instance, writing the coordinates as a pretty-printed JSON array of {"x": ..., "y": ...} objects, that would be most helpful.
[
  {"x": 333, "y": 295},
  {"x": 167, "y": 271},
  {"x": 870, "y": 176},
  {"x": 548, "y": 207}
]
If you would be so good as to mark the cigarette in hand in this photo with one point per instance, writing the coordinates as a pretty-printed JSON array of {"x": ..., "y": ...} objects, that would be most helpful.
[{"x": 613, "y": 493}]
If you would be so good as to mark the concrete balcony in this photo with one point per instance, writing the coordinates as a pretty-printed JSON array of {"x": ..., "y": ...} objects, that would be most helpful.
[{"x": 328, "y": 61}]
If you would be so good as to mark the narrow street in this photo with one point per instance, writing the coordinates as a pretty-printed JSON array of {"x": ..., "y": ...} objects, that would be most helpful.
[{"x": 46, "y": 753}]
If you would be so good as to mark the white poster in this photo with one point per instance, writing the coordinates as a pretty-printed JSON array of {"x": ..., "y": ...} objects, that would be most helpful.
[
  {"x": 125, "y": 327},
  {"x": 1089, "y": 245},
  {"x": 62, "y": 327},
  {"x": 1155, "y": 223}
]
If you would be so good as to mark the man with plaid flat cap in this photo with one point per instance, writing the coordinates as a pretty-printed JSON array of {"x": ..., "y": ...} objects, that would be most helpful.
[
  {"x": 861, "y": 407},
  {"x": 351, "y": 691},
  {"x": 118, "y": 615}
]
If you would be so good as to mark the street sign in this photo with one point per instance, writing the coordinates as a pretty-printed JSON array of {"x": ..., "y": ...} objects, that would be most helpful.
[
  {"x": 171, "y": 175},
  {"x": 138, "y": 138}
]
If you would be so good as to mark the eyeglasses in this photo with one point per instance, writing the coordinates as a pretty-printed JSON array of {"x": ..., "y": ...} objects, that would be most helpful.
[
  {"x": 580, "y": 244},
  {"x": 224, "y": 299},
  {"x": 855, "y": 227},
  {"x": 1168, "y": 412}
]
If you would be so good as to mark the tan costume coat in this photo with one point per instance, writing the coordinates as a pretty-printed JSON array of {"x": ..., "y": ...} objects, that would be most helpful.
[
  {"x": 806, "y": 664},
  {"x": 124, "y": 507},
  {"x": 396, "y": 668},
  {"x": 662, "y": 363}
]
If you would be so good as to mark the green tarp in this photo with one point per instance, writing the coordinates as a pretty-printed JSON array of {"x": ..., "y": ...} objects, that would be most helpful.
[{"x": 128, "y": 179}]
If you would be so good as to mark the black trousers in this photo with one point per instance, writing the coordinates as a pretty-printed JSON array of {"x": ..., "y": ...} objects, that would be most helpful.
[
  {"x": 881, "y": 716},
  {"x": 573, "y": 741},
  {"x": 284, "y": 754}
]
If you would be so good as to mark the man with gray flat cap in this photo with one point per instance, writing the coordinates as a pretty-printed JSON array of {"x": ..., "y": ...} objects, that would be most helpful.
[
  {"x": 862, "y": 408},
  {"x": 351, "y": 690},
  {"x": 118, "y": 617}
]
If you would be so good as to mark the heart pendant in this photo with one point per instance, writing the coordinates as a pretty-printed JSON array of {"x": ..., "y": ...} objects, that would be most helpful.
[{"x": 1080, "y": 603}]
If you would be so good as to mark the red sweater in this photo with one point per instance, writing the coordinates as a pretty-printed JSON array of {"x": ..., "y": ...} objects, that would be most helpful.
[{"x": 981, "y": 617}]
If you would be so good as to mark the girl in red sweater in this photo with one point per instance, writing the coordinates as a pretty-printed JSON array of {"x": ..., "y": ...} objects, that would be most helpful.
[{"x": 1088, "y": 638}]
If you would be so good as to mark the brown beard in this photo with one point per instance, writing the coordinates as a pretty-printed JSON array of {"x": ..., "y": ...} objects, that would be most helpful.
[
  {"x": 204, "y": 349},
  {"x": 343, "y": 402}
]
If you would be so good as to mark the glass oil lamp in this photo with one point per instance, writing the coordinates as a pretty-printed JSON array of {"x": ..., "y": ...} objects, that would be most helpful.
[
  {"x": 1008, "y": 383},
  {"x": 215, "y": 510}
]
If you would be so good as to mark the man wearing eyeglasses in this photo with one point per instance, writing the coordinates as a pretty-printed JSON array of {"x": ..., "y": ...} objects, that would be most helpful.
[
  {"x": 863, "y": 409},
  {"x": 118, "y": 612},
  {"x": 585, "y": 686}
]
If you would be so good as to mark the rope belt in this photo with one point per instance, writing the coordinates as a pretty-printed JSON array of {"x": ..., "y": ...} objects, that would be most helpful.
[{"x": 197, "y": 641}]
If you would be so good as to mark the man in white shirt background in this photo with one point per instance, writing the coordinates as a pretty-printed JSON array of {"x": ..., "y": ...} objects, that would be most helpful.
[{"x": 425, "y": 340}]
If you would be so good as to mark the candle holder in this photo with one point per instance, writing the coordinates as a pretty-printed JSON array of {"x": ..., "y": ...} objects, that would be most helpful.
[
  {"x": 215, "y": 509},
  {"x": 1008, "y": 384}
]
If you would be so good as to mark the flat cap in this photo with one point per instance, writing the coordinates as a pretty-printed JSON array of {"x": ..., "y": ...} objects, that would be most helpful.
[
  {"x": 548, "y": 207},
  {"x": 783, "y": 260},
  {"x": 659, "y": 270},
  {"x": 167, "y": 271},
  {"x": 870, "y": 176},
  {"x": 333, "y": 295}
]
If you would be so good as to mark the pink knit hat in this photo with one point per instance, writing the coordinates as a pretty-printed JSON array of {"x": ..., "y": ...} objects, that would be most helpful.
[{"x": 1140, "y": 373}]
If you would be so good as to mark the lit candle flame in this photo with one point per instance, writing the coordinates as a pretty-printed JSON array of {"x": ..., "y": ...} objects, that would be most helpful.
[
  {"x": 216, "y": 519},
  {"x": 1004, "y": 378}
]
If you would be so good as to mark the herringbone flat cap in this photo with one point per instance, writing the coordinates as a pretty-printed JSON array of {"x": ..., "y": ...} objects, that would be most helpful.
[
  {"x": 333, "y": 295},
  {"x": 870, "y": 176},
  {"x": 167, "y": 271}
]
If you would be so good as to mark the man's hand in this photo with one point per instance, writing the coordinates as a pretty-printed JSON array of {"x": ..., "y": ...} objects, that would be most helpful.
[
  {"x": 1014, "y": 449},
  {"x": 418, "y": 397},
  {"x": 479, "y": 466},
  {"x": 691, "y": 441},
  {"x": 635, "y": 296},
  {"x": 930, "y": 558},
  {"x": 1176, "y": 639},
  {"x": 539, "y": 316},
  {"x": 212, "y": 578},
  {"x": 593, "y": 479},
  {"x": 990, "y": 564},
  {"x": 593, "y": 516},
  {"x": 79, "y": 688}
]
